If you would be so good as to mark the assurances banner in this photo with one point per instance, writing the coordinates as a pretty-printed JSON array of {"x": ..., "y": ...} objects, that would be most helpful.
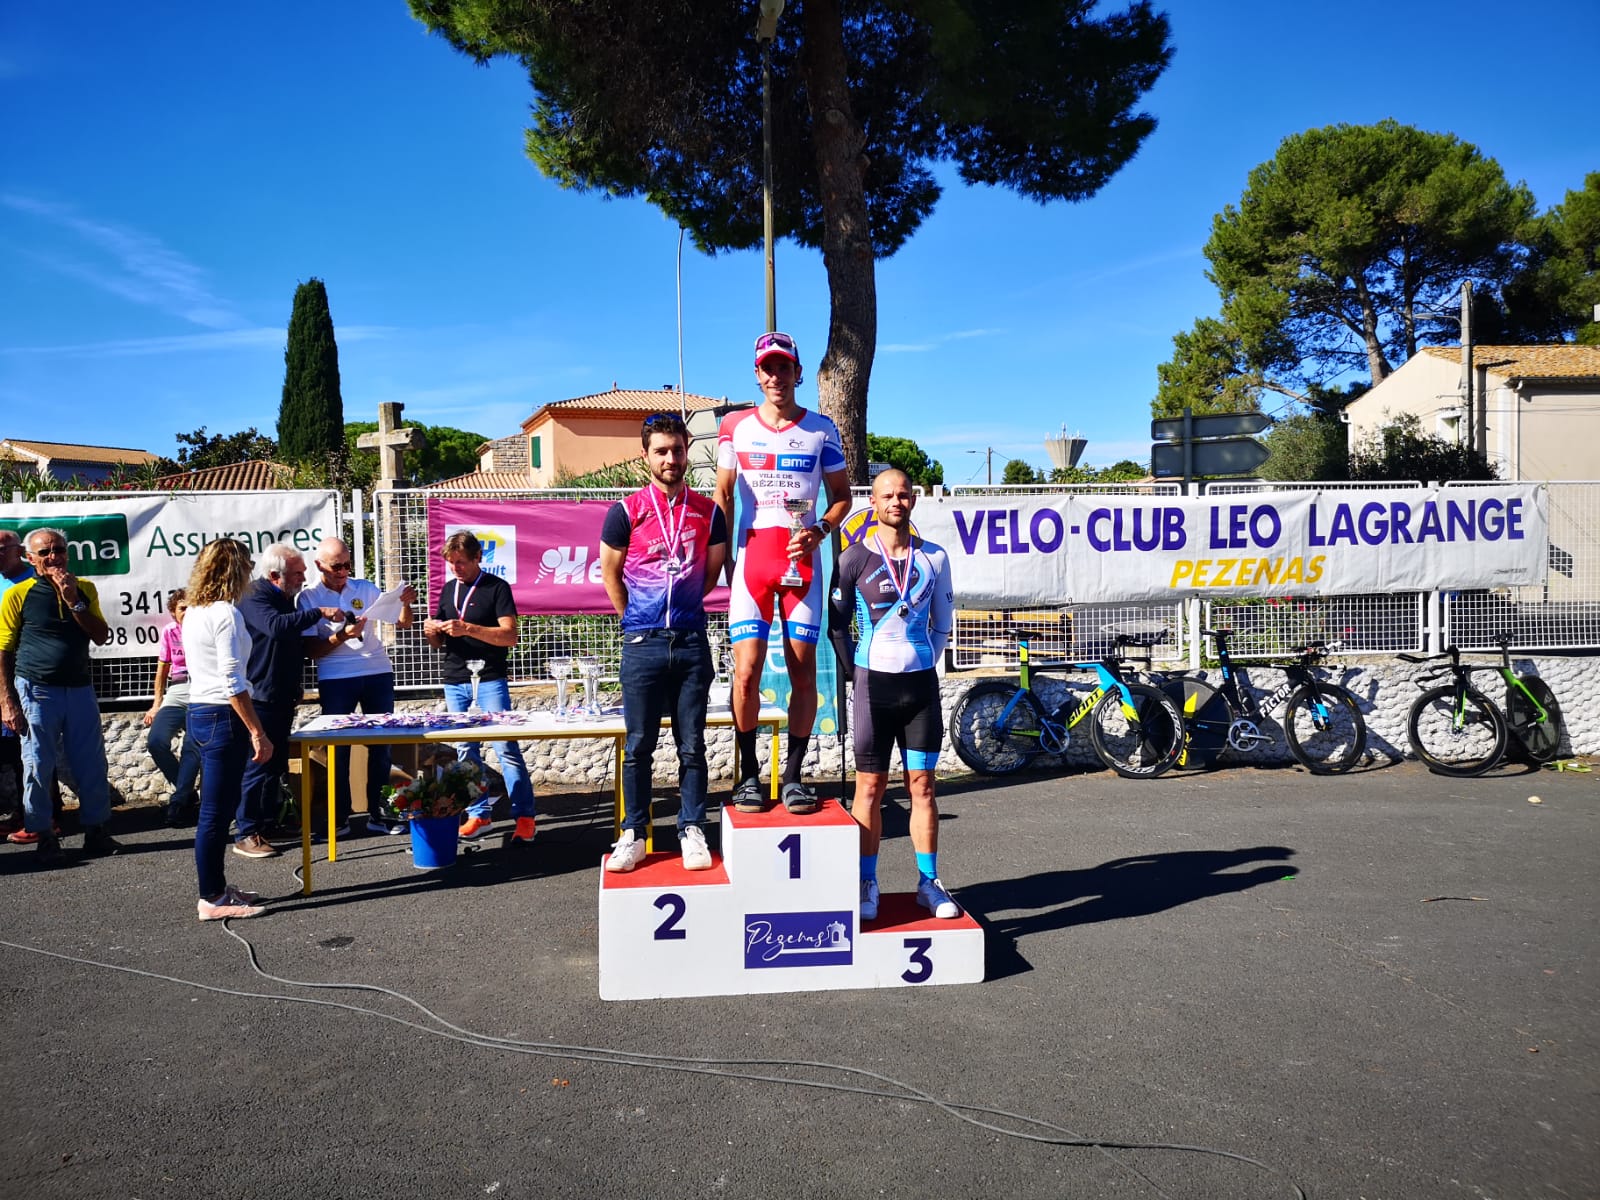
[{"x": 137, "y": 550}]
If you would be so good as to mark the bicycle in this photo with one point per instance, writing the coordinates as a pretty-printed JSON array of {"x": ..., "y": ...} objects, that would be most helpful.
[
  {"x": 1322, "y": 721},
  {"x": 1000, "y": 726},
  {"x": 1457, "y": 730}
]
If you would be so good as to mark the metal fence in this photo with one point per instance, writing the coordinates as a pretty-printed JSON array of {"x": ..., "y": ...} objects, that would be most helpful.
[{"x": 391, "y": 542}]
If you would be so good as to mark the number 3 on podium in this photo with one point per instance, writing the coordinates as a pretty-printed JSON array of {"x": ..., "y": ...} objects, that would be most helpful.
[{"x": 921, "y": 969}]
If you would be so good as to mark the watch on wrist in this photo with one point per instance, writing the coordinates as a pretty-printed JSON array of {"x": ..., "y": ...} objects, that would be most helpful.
[
  {"x": 80, "y": 607},
  {"x": 827, "y": 529}
]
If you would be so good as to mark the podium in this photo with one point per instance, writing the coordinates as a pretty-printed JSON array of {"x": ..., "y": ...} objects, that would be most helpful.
[{"x": 779, "y": 911}]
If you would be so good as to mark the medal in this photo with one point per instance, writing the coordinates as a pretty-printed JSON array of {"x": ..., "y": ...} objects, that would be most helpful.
[
  {"x": 904, "y": 610},
  {"x": 671, "y": 535},
  {"x": 901, "y": 581}
]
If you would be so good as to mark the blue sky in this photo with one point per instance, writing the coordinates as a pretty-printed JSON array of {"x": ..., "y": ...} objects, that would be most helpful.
[{"x": 169, "y": 172}]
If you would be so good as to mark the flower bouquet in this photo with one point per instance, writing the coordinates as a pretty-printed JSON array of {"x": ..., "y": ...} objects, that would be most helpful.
[{"x": 438, "y": 791}]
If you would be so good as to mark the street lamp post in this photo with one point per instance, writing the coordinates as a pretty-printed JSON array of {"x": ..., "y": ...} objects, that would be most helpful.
[
  {"x": 766, "y": 31},
  {"x": 988, "y": 452}
]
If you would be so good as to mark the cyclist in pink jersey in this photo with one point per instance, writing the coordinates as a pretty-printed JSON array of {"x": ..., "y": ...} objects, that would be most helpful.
[{"x": 771, "y": 455}]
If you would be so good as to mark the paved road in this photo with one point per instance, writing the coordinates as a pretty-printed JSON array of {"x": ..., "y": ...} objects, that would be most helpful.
[{"x": 1379, "y": 986}]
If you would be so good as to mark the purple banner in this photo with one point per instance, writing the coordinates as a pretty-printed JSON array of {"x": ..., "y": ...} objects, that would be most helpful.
[
  {"x": 547, "y": 550},
  {"x": 797, "y": 939}
]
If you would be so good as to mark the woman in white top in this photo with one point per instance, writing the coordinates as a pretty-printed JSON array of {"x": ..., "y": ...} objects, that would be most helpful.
[{"x": 222, "y": 720}]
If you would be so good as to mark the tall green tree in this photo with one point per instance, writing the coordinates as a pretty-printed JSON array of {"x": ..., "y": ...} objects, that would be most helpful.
[
  {"x": 1339, "y": 248},
  {"x": 909, "y": 457},
  {"x": 1553, "y": 297},
  {"x": 663, "y": 100},
  {"x": 311, "y": 413}
]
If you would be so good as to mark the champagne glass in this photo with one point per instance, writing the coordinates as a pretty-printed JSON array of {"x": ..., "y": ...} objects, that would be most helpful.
[{"x": 561, "y": 671}]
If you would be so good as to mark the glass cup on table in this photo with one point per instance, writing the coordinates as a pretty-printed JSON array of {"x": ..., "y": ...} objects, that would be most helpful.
[{"x": 561, "y": 671}]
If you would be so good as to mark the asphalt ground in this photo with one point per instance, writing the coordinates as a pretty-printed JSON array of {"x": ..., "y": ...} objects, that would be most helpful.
[{"x": 1377, "y": 985}]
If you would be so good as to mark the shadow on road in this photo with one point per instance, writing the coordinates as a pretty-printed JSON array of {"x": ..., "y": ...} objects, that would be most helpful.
[{"x": 1012, "y": 909}]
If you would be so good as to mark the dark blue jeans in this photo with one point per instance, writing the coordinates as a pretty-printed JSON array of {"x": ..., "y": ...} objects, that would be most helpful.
[
  {"x": 258, "y": 798},
  {"x": 665, "y": 672},
  {"x": 223, "y": 744},
  {"x": 183, "y": 768},
  {"x": 368, "y": 694}
]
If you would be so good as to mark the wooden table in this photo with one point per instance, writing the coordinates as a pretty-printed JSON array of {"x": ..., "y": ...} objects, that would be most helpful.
[{"x": 533, "y": 726}]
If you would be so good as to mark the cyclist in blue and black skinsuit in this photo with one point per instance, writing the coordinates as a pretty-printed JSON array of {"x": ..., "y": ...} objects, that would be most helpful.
[{"x": 897, "y": 588}]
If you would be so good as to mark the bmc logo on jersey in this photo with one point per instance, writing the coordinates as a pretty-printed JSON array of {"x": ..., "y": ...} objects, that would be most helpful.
[{"x": 803, "y": 463}]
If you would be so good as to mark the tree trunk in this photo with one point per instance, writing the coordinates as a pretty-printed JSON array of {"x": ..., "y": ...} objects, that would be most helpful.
[
  {"x": 846, "y": 366},
  {"x": 1377, "y": 364}
]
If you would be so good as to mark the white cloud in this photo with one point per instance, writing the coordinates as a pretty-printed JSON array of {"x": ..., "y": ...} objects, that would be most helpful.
[
  {"x": 258, "y": 337},
  {"x": 939, "y": 340},
  {"x": 126, "y": 262}
]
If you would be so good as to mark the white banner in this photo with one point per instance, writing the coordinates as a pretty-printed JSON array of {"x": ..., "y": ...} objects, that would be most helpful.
[
  {"x": 138, "y": 549},
  {"x": 1053, "y": 551}
]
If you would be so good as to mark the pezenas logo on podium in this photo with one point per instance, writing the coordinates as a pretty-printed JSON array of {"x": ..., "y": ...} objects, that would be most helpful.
[{"x": 797, "y": 939}]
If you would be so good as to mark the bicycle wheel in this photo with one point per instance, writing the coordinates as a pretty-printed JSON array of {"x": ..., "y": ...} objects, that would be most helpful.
[
  {"x": 1138, "y": 745},
  {"x": 1450, "y": 743},
  {"x": 1206, "y": 718},
  {"x": 985, "y": 742},
  {"x": 1534, "y": 740},
  {"x": 1325, "y": 729}
]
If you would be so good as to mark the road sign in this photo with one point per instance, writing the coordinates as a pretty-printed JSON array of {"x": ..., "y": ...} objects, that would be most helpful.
[
  {"x": 1228, "y": 456},
  {"x": 1212, "y": 425}
]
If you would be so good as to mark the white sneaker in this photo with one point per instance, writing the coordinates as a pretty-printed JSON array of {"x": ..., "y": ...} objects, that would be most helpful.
[
  {"x": 627, "y": 854},
  {"x": 234, "y": 903},
  {"x": 932, "y": 896},
  {"x": 696, "y": 854},
  {"x": 869, "y": 899}
]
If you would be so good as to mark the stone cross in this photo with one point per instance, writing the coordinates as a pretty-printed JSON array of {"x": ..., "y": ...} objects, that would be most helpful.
[{"x": 391, "y": 443}]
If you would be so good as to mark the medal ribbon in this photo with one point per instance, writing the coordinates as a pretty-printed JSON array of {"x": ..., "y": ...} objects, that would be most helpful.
[
  {"x": 902, "y": 582},
  {"x": 671, "y": 534}
]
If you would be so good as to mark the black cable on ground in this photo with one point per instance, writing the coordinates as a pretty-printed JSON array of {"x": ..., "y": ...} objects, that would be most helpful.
[{"x": 1054, "y": 1135}]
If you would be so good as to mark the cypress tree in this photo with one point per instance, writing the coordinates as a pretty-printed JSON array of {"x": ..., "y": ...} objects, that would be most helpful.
[{"x": 311, "y": 414}]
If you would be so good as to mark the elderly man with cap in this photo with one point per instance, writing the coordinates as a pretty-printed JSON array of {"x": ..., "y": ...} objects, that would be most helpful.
[
  {"x": 353, "y": 668},
  {"x": 777, "y": 458}
]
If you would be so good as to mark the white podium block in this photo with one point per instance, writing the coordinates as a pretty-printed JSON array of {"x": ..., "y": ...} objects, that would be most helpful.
[{"x": 778, "y": 912}]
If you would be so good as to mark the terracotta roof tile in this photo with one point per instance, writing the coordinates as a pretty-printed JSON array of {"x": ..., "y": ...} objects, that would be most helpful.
[
  {"x": 626, "y": 400},
  {"x": 72, "y": 452},
  {"x": 492, "y": 481},
  {"x": 252, "y": 476},
  {"x": 1529, "y": 362}
]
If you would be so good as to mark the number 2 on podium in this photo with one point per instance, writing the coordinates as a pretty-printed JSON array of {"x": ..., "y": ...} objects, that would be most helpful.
[{"x": 791, "y": 846}]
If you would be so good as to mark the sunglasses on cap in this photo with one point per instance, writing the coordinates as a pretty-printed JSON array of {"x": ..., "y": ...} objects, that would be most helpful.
[{"x": 779, "y": 342}]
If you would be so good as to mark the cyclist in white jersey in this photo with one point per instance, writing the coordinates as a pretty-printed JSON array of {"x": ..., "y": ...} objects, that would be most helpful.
[{"x": 771, "y": 455}]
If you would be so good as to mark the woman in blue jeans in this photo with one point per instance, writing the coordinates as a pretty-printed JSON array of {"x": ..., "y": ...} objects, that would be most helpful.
[{"x": 222, "y": 720}]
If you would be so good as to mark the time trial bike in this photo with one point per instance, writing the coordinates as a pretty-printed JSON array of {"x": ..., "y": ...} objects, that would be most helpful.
[
  {"x": 1458, "y": 730},
  {"x": 1001, "y": 725}
]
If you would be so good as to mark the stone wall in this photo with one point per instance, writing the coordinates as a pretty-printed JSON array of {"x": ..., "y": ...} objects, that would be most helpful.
[{"x": 1385, "y": 687}]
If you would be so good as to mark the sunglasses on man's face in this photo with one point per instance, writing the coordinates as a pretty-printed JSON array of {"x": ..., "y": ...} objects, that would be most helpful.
[
  {"x": 47, "y": 551},
  {"x": 338, "y": 566}
]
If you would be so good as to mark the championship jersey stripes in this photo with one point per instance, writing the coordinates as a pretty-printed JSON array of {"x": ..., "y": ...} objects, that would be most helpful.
[
  {"x": 776, "y": 465},
  {"x": 888, "y": 639}
]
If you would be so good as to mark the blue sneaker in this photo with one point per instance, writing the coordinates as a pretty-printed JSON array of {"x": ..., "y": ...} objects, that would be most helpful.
[
  {"x": 932, "y": 896},
  {"x": 869, "y": 899}
]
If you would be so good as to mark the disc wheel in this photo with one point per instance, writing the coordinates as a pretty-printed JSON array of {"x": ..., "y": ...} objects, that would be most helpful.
[
  {"x": 986, "y": 737},
  {"x": 1140, "y": 744},
  {"x": 1534, "y": 740},
  {"x": 1325, "y": 729},
  {"x": 1450, "y": 743},
  {"x": 1206, "y": 717}
]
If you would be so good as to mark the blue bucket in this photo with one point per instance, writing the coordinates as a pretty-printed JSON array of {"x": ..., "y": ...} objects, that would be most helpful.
[{"x": 433, "y": 842}]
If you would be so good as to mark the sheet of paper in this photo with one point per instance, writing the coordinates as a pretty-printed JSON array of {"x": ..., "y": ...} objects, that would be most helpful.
[{"x": 387, "y": 606}]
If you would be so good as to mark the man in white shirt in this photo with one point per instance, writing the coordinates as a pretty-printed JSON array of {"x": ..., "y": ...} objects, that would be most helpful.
[{"x": 353, "y": 668}]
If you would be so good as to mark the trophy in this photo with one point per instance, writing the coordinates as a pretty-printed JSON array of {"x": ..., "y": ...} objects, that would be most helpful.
[
  {"x": 589, "y": 668},
  {"x": 475, "y": 666},
  {"x": 561, "y": 671},
  {"x": 798, "y": 511}
]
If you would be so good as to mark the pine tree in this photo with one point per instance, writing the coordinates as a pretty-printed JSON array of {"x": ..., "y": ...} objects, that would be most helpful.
[{"x": 311, "y": 414}]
